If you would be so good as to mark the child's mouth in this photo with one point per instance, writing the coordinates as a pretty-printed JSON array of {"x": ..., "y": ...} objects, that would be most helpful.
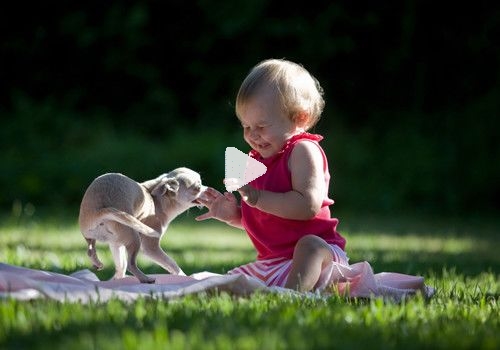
[{"x": 261, "y": 147}]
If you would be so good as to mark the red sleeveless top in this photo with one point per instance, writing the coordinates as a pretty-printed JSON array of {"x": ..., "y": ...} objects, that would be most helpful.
[{"x": 274, "y": 236}]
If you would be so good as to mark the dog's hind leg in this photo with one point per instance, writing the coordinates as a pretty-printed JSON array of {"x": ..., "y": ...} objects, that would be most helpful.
[
  {"x": 151, "y": 248},
  {"x": 92, "y": 253},
  {"x": 119, "y": 254},
  {"x": 132, "y": 252},
  {"x": 125, "y": 243},
  {"x": 131, "y": 240}
]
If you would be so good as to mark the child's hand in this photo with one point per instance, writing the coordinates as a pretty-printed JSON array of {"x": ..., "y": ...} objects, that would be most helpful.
[{"x": 223, "y": 207}]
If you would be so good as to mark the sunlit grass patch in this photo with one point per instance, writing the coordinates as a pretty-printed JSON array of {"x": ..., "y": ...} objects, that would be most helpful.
[{"x": 463, "y": 314}]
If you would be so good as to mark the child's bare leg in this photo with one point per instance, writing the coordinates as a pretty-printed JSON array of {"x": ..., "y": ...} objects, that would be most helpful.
[{"x": 310, "y": 256}]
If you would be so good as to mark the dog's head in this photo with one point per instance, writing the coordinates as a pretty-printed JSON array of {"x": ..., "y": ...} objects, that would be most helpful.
[{"x": 181, "y": 185}]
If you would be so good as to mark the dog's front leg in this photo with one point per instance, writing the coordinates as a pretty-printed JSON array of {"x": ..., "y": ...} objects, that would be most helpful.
[{"x": 151, "y": 248}]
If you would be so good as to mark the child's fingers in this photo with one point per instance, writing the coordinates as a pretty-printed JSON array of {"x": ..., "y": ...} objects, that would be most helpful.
[
  {"x": 212, "y": 192},
  {"x": 208, "y": 196},
  {"x": 230, "y": 197}
]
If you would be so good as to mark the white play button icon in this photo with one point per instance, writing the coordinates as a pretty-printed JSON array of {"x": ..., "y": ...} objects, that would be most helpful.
[{"x": 241, "y": 169}]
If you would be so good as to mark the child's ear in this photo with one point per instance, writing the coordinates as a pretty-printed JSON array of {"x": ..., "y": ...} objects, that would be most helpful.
[{"x": 301, "y": 118}]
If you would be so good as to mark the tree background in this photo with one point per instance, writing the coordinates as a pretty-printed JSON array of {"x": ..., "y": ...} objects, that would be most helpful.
[{"x": 141, "y": 87}]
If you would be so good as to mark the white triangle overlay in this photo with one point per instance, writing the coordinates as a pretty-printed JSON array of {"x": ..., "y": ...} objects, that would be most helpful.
[{"x": 240, "y": 169}]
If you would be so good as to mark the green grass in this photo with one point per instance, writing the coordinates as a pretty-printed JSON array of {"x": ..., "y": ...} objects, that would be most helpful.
[{"x": 460, "y": 259}]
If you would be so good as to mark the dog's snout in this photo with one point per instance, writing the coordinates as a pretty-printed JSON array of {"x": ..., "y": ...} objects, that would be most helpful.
[{"x": 197, "y": 187}]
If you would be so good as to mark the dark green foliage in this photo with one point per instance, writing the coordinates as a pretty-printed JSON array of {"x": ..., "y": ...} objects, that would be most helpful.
[{"x": 141, "y": 87}]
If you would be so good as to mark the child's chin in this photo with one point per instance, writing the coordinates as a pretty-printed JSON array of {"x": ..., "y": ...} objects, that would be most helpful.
[{"x": 265, "y": 151}]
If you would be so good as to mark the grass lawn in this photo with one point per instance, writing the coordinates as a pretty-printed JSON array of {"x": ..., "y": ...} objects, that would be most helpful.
[{"x": 461, "y": 259}]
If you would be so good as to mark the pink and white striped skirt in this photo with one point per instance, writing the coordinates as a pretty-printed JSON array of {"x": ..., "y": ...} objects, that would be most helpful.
[{"x": 274, "y": 272}]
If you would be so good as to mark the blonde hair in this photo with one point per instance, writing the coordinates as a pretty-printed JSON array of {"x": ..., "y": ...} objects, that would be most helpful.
[{"x": 298, "y": 92}]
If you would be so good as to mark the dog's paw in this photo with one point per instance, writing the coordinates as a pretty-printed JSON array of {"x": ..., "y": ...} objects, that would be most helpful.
[
  {"x": 149, "y": 280},
  {"x": 99, "y": 266}
]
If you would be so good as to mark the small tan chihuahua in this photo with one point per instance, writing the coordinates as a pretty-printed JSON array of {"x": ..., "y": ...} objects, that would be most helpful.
[{"x": 131, "y": 216}]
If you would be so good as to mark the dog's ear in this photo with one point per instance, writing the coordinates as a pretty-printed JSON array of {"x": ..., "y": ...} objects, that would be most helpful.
[{"x": 167, "y": 185}]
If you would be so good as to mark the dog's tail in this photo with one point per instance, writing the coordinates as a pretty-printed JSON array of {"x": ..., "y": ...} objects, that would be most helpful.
[{"x": 128, "y": 220}]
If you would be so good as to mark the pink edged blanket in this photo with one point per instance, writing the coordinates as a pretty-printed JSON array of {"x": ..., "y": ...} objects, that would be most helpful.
[{"x": 355, "y": 280}]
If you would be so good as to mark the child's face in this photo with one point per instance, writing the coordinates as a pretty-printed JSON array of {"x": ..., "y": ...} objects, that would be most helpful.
[{"x": 266, "y": 128}]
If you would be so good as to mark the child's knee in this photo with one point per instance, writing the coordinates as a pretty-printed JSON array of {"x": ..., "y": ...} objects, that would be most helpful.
[{"x": 311, "y": 244}]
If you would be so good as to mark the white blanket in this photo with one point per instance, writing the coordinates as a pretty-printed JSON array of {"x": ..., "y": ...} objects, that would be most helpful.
[{"x": 356, "y": 280}]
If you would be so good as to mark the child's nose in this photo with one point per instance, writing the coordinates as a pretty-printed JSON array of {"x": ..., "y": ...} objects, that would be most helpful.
[{"x": 254, "y": 135}]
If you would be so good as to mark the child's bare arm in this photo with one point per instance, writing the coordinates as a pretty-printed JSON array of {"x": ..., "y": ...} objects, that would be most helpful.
[{"x": 308, "y": 182}]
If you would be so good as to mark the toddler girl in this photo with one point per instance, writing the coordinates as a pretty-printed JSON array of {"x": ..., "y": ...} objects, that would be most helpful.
[{"x": 285, "y": 212}]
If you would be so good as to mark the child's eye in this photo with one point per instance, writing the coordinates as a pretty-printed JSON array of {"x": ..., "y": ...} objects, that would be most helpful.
[{"x": 258, "y": 127}]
